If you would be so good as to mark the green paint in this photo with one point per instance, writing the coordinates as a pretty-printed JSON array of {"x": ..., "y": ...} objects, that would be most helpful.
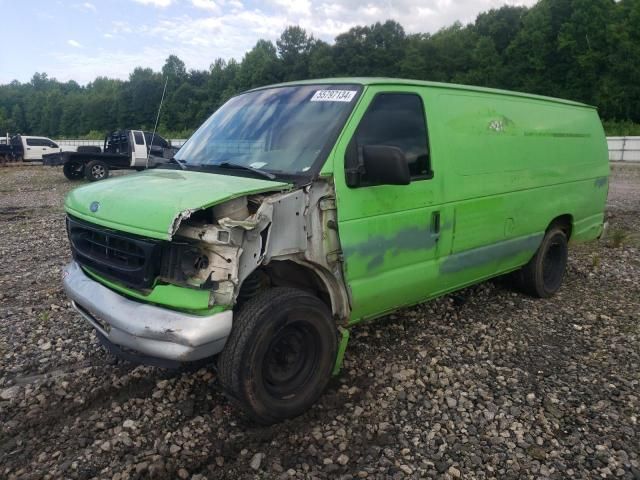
[
  {"x": 147, "y": 204},
  {"x": 490, "y": 253},
  {"x": 505, "y": 165},
  {"x": 375, "y": 247},
  {"x": 171, "y": 296},
  {"x": 342, "y": 347}
]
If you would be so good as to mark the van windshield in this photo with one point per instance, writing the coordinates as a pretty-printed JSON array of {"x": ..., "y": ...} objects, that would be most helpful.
[{"x": 281, "y": 131}]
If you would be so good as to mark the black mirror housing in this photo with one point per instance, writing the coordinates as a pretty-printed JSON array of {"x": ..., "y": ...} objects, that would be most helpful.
[{"x": 385, "y": 165}]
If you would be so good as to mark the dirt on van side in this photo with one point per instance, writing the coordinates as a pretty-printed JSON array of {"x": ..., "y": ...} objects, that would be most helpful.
[{"x": 485, "y": 383}]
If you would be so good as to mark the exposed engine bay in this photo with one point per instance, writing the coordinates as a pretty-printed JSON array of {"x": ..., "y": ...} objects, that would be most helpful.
[{"x": 220, "y": 247}]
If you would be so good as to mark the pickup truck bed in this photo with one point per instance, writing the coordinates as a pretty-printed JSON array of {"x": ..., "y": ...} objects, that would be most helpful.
[
  {"x": 122, "y": 149},
  {"x": 114, "y": 160}
]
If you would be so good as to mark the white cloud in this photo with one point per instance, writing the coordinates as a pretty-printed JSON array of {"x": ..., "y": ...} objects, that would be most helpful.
[
  {"x": 229, "y": 28},
  {"x": 89, "y": 6},
  {"x": 85, "y": 67},
  {"x": 206, "y": 5},
  {"x": 295, "y": 7},
  {"x": 155, "y": 3}
]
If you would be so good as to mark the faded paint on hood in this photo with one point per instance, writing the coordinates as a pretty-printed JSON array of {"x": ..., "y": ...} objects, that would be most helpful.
[{"x": 149, "y": 203}]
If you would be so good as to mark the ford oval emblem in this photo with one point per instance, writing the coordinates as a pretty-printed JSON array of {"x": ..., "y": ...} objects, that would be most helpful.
[{"x": 94, "y": 206}]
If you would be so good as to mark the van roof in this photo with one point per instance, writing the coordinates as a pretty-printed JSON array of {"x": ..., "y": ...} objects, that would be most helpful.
[{"x": 422, "y": 83}]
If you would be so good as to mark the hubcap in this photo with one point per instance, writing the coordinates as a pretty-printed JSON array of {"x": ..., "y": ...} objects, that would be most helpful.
[{"x": 97, "y": 171}]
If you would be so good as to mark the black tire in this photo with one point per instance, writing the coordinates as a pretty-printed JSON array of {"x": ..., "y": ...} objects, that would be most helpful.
[
  {"x": 96, "y": 170},
  {"x": 543, "y": 275},
  {"x": 73, "y": 170},
  {"x": 89, "y": 149},
  {"x": 280, "y": 354}
]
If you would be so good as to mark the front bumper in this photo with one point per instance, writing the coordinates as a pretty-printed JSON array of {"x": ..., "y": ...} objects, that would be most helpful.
[{"x": 152, "y": 331}]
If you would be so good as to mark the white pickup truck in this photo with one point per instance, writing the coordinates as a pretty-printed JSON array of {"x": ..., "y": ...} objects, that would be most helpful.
[{"x": 30, "y": 148}]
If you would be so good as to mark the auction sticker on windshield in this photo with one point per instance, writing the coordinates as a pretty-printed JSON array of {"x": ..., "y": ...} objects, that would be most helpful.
[{"x": 333, "y": 96}]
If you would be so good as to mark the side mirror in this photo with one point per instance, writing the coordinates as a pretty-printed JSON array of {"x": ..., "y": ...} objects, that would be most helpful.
[{"x": 385, "y": 165}]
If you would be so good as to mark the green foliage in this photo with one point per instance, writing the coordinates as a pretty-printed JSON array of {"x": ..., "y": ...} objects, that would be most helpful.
[
  {"x": 623, "y": 128},
  {"x": 618, "y": 238},
  {"x": 585, "y": 50}
]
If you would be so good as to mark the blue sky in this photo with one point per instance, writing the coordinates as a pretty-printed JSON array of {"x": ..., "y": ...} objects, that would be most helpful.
[{"x": 79, "y": 40}]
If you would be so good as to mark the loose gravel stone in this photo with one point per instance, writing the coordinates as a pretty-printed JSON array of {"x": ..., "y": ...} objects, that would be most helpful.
[
  {"x": 256, "y": 460},
  {"x": 485, "y": 383}
]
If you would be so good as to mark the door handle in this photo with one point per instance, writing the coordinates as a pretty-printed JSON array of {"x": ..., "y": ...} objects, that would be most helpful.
[{"x": 435, "y": 226}]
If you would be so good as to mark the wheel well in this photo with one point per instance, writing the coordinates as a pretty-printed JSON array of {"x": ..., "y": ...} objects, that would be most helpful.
[
  {"x": 284, "y": 273},
  {"x": 565, "y": 222}
]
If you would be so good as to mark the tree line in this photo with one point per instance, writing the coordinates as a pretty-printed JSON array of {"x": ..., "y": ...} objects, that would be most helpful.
[{"x": 584, "y": 50}]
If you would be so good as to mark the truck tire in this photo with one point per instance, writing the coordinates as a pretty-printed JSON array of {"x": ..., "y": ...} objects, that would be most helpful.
[
  {"x": 96, "y": 170},
  {"x": 89, "y": 149},
  {"x": 543, "y": 275},
  {"x": 280, "y": 354},
  {"x": 73, "y": 170}
]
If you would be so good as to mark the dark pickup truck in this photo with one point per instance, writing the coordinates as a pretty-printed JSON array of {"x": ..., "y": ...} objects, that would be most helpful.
[{"x": 122, "y": 149}]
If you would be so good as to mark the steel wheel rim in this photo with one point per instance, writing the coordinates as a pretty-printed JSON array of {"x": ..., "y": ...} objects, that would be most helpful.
[{"x": 290, "y": 360}]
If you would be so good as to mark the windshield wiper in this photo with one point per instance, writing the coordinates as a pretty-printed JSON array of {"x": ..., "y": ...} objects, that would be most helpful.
[
  {"x": 179, "y": 162},
  {"x": 236, "y": 166}
]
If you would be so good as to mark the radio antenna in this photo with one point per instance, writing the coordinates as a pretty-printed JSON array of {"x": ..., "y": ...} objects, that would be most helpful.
[{"x": 155, "y": 127}]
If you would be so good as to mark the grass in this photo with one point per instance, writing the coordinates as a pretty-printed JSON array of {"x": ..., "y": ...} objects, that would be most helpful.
[{"x": 618, "y": 238}]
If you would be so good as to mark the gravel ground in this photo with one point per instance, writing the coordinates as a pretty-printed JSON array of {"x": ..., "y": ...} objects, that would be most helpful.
[{"x": 487, "y": 383}]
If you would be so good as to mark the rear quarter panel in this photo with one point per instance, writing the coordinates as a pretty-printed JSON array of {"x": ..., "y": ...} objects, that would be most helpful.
[{"x": 511, "y": 165}]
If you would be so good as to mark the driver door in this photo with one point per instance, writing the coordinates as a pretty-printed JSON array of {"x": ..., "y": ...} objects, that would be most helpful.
[
  {"x": 138, "y": 149},
  {"x": 391, "y": 235}
]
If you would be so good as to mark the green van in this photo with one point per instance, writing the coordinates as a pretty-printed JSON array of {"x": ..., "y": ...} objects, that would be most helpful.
[{"x": 299, "y": 210}]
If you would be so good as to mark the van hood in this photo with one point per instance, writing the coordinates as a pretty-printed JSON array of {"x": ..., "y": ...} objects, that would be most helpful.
[{"x": 152, "y": 203}]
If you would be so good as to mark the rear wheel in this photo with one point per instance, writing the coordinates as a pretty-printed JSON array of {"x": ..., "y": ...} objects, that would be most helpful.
[
  {"x": 543, "y": 275},
  {"x": 280, "y": 354},
  {"x": 96, "y": 170},
  {"x": 73, "y": 170}
]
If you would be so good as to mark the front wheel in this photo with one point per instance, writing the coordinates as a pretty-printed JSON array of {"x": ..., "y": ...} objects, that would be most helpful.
[
  {"x": 280, "y": 354},
  {"x": 96, "y": 170},
  {"x": 543, "y": 275},
  {"x": 72, "y": 170}
]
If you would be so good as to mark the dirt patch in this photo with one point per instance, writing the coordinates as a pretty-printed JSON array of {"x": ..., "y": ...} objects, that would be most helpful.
[{"x": 486, "y": 383}]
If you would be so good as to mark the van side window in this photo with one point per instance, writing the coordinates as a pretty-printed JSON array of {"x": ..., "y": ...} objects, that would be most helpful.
[{"x": 398, "y": 120}]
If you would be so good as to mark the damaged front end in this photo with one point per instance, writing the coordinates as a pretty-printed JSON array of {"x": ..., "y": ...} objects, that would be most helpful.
[
  {"x": 216, "y": 248},
  {"x": 212, "y": 258}
]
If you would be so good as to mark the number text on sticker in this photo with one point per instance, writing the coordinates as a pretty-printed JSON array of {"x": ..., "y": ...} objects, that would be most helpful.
[{"x": 333, "y": 96}]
